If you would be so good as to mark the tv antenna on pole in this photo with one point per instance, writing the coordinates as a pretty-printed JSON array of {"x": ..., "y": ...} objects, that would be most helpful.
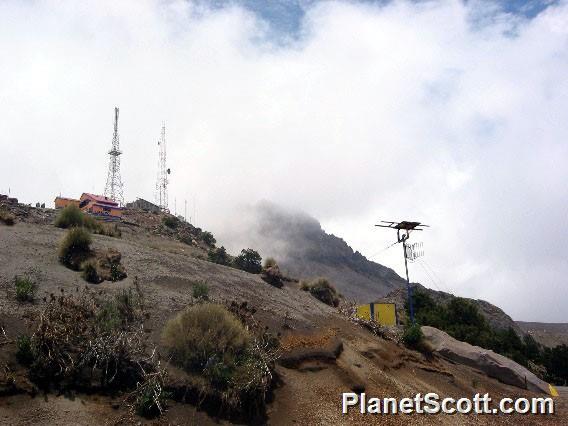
[{"x": 411, "y": 251}]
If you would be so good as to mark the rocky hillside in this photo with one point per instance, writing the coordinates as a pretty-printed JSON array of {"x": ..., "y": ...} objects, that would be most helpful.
[
  {"x": 323, "y": 352},
  {"x": 305, "y": 251},
  {"x": 548, "y": 334}
]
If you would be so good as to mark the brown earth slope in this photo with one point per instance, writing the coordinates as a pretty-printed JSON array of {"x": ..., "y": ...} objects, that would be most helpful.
[{"x": 323, "y": 352}]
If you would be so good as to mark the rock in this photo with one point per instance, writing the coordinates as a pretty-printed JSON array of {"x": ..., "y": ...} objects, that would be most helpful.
[{"x": 487, "y": 361}]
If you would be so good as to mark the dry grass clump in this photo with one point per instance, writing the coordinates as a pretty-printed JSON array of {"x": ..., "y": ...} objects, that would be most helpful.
[
  {"x": 72, "y": 217},
  {"x": 269, "y": 262},
  {"x": 93, "y": 343},
  {"x": 6, "y": 217},
  {"x": 75, "y": 248},
  {"x": 322, "y": 290},
  {"x": 76, "y": 344},
  {"x": 228, "y": 362}
]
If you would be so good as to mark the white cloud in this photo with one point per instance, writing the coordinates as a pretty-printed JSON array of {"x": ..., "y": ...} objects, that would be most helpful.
[{"x": 448, "y": 113}]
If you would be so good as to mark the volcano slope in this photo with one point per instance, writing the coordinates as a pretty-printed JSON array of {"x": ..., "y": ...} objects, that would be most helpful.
[{"x": 323, "y": 352}]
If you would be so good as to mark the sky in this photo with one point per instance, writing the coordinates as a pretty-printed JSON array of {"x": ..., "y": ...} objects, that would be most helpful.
[{"x": 451, "y": 113}]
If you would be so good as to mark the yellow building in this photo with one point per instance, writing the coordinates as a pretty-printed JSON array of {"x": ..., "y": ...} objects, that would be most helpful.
[{"x": 381, "y": 313}]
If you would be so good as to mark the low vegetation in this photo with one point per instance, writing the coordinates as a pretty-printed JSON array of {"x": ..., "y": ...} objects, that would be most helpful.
[
  {"x": 322, "y": 290},
  {"x": 208, "y": 238},
  {"x": 73, "y": 217},
  {"x": 413, "y": 337},
  {"x": 171, "y": 221},
  {"x": 249, "y": 260},
  {"x": 219, "y": 255},
  {"x": 200, "y": 290},
  {"x": 90, "y": 272},
  {"x": 26, "y": 288},
  {"x": 271, "y": 273},
  {"x": 75, "y": 248},
  {"x": 269, "y": 262},
  {"x": 92, "y": 342},
  {"x": 227, "y": 361},
  {"x": 6, "y": 217},
  {"x": 462, "y": 320}
]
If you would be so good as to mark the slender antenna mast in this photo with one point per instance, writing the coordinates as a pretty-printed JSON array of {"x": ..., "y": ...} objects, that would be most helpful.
[
  {"x": 411, "y": 252},
  {"x": 114, "y": 187},
  {"x": 163, "y": 172}
]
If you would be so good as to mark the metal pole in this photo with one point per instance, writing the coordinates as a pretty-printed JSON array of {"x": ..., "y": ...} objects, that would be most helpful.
[{"x": 409, "y": 287}]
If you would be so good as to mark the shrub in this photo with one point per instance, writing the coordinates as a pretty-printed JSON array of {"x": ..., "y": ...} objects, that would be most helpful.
[
  {"x": 208, "y": 238},
  {"x": 71, "y": 216},
  {"x": 170, "y": 221},
  {"x": 6, "y": 217},
  {"x": 25, "y": 289},
  {"x": 204, "y": 332},
  {"x": 324, "y": 291},
  {"x": 304, "y": 285},
  {"x": 75, "y": 344},
  {"x": 201, "y": 290},
  {"x": 249, "y": 260},
  {"x": 75, "y": 247},
  {"x": 90, "y": 272},
  {"x": 227, "y": 356},
  {"x": 219, "y": 255},
  {"x": 24, "y": 353},
  {"x": 150, "y": 397},
  {"x": 270, "y": 262},
  {"x": 413, "y": 336}
]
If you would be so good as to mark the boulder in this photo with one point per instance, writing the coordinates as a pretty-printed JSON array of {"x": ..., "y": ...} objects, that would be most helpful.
[{"x": 494, "y": 365}]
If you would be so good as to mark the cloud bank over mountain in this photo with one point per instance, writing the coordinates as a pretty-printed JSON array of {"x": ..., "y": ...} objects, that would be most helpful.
[{"x": 446, "y": 112}]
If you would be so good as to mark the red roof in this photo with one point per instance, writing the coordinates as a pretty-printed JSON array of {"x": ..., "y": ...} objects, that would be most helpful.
[{"x": 99, "y": 199}]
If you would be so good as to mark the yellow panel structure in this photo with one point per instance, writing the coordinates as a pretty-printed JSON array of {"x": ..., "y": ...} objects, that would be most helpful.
[
  {"x": 385, "y": 313},
  {"x": 382, "y": 313},
  {"x": 364, "y": 312}
]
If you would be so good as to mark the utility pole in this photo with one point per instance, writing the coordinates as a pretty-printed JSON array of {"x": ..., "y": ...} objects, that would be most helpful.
[
  {"x": 114, "y": 187},
  {"x": 409, "y": 251}
]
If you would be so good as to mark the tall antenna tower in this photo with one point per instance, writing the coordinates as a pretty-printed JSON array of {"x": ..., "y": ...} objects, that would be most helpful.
[
  {"x": 163, "y": 172},
  {"x": 113, "y": 187}
]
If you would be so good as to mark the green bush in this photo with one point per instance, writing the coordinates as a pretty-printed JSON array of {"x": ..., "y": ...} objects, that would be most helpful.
[
  {"x": 249, "y": 260},
  {"x": 208, "y": 238},
  {"x": 324, "y": 291},
  {"x": 170, "y": 221},
  {"x": 90, "y": 272},
  {"x": 413, "y": 336},
  {"x": 24, "y": 354},
  {"x": 75, "y": 247},
  {"x": 219, "y": 255},
  {"x": 25, "y": 289},
  {"x": 6, "y": 217},
  {"x": 201, "y": 290}
]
